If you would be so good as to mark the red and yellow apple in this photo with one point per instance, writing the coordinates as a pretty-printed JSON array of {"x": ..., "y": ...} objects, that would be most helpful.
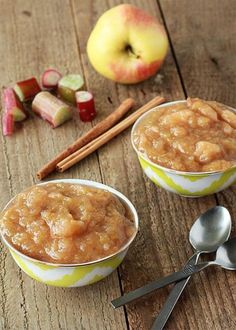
[{"x": 127, "y": 44}]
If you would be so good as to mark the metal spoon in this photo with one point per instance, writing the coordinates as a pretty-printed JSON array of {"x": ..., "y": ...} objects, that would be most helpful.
[
  {"x": 225, "y": 257},
  {"x": 189, "y": 269},
  {"x": 208, "y": 232}
]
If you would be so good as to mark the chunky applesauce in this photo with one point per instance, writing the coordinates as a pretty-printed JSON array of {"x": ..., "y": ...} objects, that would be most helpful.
[
  {"x": 195, "y": 136},
  {"x": 67, "y": 223}
]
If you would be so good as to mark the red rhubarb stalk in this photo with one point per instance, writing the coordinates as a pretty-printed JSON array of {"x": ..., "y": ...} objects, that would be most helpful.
[
  {"x": 85, "y": 105},
  {"x": 27, "y": 89},
  {"x": 7, "y": 123},
  {"x": 12, "y": 105}
]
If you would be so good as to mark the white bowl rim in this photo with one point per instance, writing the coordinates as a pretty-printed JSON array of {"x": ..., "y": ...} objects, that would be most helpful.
[
  {"x": 89, "y": 183},
  {"x": 183, "y": 173}
]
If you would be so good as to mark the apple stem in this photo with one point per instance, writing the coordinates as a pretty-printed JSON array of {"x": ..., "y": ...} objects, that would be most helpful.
[{"x": 130, "y": 50}]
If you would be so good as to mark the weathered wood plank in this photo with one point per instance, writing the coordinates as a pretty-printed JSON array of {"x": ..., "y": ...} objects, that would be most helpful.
[
  {"x": 41, "y": 33},
  {"x": 156, "y": 250},
  {"x": 35, "y": 35},
  {"x": 204, "y": 41}
]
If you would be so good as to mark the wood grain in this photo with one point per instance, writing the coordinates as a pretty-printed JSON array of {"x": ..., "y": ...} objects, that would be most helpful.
[
  {"x": 206, "y": 65},
  {"x": 37, "y": 34},
  {"x": 155, "y": 250}
]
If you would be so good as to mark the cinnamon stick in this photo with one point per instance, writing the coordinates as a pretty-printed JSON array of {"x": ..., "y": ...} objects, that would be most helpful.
[
  {"x": 103, "y": 139},
  {"x": 97, "y": 130}
]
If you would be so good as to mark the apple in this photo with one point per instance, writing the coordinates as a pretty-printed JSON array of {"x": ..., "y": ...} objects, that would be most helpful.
[{"x": 127, "y": 45}]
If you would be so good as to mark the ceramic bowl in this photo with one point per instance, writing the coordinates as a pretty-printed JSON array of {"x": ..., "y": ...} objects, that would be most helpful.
[
  {"x": 188, "y": 184},
  {"x": 75, "y": 275}
]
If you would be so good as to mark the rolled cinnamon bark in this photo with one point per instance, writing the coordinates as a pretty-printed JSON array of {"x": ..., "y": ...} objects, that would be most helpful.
[
  {"x": 97, "y": 130},
  {"x": 83, "y": 152}
]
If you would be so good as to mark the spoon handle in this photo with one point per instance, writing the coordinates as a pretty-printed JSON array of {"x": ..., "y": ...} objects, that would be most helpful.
[
  {"x": 175, "y": 277},
  {"x": 173, "y": 298}
]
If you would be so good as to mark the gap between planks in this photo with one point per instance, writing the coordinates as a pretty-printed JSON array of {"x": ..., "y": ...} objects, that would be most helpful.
[
  {"x": 97, "y": 155},
  {"x": 173, "y": 53},
  {"x": 84, "y": 75}
]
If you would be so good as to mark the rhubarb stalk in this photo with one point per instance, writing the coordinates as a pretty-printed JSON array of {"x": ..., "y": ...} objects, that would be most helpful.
[
  {"x": 50, "y": 78},
  {"x": 27, "y": 89},
  {"x": 52, "y": 109},
  {"x": 68, "y": 85}
]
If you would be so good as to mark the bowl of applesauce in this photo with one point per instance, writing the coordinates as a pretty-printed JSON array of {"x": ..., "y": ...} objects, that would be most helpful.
[
  {"x": 188, "y": 147},
  {"x": 69, "y": 232}
]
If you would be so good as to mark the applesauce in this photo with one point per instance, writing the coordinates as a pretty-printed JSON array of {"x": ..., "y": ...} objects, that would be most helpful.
[
  {"x": 192, "y": 136},
  {"x": 67, "y": 223}
]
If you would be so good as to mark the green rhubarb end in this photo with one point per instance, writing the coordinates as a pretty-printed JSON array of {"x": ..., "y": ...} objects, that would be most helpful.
[
  {"x": 68, "y": 85},
  {"x": 18, "y": 114},
  {"x": 67, "y": 94},
  {"x": 72, "y": 81},
  {"x": 62, "y": 116},
  {"x": 19, "y": 93}
]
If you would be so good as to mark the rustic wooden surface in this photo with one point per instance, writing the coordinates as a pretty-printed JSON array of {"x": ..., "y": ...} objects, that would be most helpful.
[{"x": 35, "y": 34}]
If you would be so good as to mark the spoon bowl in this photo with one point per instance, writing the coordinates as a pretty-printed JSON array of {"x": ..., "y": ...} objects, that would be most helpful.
[
  {"x": 226, "y": 255},
  {"x": 211, "y": 229}
]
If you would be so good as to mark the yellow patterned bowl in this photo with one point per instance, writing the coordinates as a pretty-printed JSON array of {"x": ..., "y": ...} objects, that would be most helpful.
[
  {"x": 187, "y": 184},
  {"x": 74, "y": 275}
]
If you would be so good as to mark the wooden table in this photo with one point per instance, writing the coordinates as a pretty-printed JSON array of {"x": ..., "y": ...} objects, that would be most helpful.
[{"x": 201, "y": 62}]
